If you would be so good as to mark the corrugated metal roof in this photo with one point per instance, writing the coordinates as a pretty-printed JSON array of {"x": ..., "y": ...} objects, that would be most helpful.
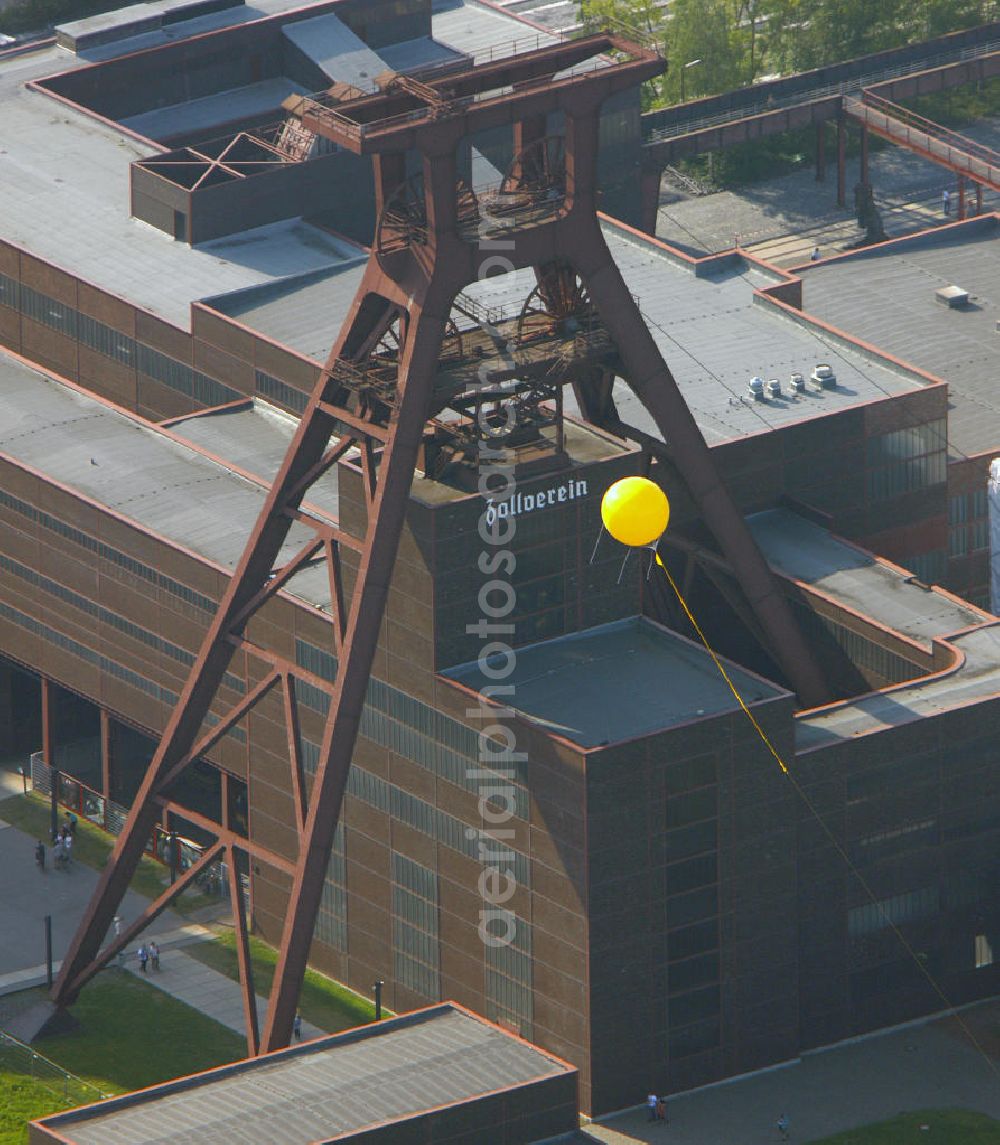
[
  {"x": 619, "y": 681},
  {"x": 886, "y": 296},
  {"x": 389, "y": 1071}
]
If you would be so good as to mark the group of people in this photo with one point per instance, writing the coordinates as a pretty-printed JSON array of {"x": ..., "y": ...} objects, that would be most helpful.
[
  {"x": 657, "y": 1107},
  {"x": 62, "y": 845},
  {"x": 148, "y": 953}
]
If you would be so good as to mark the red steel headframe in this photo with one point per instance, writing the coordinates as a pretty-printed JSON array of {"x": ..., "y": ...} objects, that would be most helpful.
[{"x": 414, "y": 285}]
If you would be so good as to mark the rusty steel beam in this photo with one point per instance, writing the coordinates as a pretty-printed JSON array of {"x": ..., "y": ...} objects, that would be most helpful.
[
  {"x": 148, "y": 915},
  {"x": 243, "y": 960}
]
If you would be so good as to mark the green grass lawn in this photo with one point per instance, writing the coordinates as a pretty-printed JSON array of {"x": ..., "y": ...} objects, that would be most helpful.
[
  {"x": 130, "y": 1035},
  {"x": 944, "y": 1127},
  {"x": 323, "y": 1002},
  {"x": 92, "y": 846}
]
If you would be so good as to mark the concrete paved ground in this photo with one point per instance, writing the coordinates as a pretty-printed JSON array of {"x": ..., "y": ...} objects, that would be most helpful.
[
  {"x": 208, "y": 991},
  {"x": 919, "y": 1067},
  {"x": 784, "y": 218},
  {"x": 27, "y": 895}
]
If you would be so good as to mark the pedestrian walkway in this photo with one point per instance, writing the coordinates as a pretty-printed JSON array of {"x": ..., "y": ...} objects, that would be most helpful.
[
  {"x": 926, "y": 1066},
  {"x": 27, "y": 895},
  {"x": 205, "y": 989}
]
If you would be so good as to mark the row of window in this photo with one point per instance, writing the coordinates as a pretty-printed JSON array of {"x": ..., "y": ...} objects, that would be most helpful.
[
  {"x": 909, "y": 907},
  {"x": 416, "y": 813},
  {"x": 119, "y": 671},
  {"x": 930, "y": 567},
  {"x": 113, "y": 344},
  {"x": 965, "y": 539},
  {"x": 112, "y": 619},
  {"x": 965, "y": 507},
  {"x": 111, "y": 667},
  {"x": 279, "y": 392},
  {"x": 408, "y": 727},
  {"x": 415, "y": 934},
  {"x": 862, "y": 651},
  {"x": 108, "y": 553},
  {"x": 509, "y": 981},
  {"x": 331, "y": 919},
  {"x": 907, "y": 460}
]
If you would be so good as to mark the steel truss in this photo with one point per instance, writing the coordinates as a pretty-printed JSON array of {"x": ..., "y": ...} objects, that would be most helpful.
[{"x": 370, "y": 407}]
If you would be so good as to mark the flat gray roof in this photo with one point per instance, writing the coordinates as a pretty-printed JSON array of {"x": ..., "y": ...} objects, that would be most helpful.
[
  {"x": 885, "y": 295},
  {"x": 64, "y": 187},
  {"x": 618, "y": 682},
  {"x": 890, "y": 597},
  {"x": 303, "y": 313},
  {"x": 388, "y": 1071},
  {"x": 977, "y": 678},
  {"x": 336, "y": 50},
  {"x": 254, "y": 437},
  {"x": 225, "y": 107},
  {"x": 164, "y": 486},
  {"x": 712, "y": 335},
  {"x": 859, "y": 581}
]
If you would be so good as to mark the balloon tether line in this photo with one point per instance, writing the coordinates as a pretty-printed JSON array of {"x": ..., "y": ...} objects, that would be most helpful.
[{"x": 932, "y": 981}]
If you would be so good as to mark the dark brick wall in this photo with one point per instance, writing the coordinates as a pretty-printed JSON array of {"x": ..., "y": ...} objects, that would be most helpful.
[{"x": 692, "y": 886}]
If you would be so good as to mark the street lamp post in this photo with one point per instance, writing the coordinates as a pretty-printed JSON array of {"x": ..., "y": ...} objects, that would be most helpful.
[{"x": 684, "y": 68}]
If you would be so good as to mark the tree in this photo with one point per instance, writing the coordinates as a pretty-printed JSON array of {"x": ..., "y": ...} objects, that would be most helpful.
[
  {"x": 704, "y": 49},
  {"x": 642, "y": 16},
  {"x": 643, "y": 19}
]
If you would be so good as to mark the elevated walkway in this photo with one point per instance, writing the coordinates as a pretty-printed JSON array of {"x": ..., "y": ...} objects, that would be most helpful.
[{"x": 907, "y": 129}]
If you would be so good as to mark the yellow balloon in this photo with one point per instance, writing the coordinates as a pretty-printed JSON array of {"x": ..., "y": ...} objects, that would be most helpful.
[{"x": 635, "y": 511}]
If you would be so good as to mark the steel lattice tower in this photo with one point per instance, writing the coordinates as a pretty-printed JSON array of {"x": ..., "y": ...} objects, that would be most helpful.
[{"x": 398, "y": 363}]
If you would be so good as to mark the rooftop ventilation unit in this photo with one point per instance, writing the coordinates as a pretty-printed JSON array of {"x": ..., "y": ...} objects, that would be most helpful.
[
  {"x": 797, "y": 383},
  {"x": 773, "y": 388},
  {"x": 755, "y": 389},
  {"x": 954, "y": 297},
  {"x": 823, "y": 377}
]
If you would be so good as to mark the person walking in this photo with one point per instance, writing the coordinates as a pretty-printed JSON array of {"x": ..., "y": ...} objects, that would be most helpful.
[
  {"x": 661, "y": 1109},
  {"x": 143, "y": 958},
  {"x": 946, "y": 201},
  {"x": 782, "y": 1125},
  {"x": 154, "y": 955},
  {"x": 40, "y": 856},
  {"x": 118, "y": 934},
  {"x": 651, "y": 1106}
]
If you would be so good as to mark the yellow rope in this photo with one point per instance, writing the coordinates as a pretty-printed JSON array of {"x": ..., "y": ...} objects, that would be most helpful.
[
  {"x": 722, "y": 668},
  {"x": 994, "y": 1067}
]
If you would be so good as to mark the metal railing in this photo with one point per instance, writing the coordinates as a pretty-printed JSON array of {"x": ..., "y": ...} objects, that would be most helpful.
[
  {"x": 20, "y": 1059},
  {"x": 937, "y": 143},
  {"x": 770, "y": 102},
  {"x": 110, "y": 816}
]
